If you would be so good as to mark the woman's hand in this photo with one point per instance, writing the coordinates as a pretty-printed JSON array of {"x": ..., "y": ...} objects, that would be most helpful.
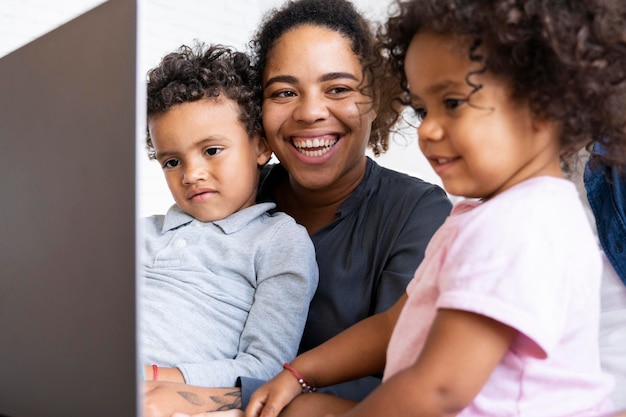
[
  {"x": 271, "y": 398},
  {"x": 229, "y": 413}
]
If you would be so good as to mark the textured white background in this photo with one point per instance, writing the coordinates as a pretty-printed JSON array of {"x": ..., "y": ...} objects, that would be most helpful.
[{"x": 163, "y": 26}]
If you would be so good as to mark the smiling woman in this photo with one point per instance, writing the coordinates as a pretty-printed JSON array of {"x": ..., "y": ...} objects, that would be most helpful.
[{"x": 309, "y": 98}]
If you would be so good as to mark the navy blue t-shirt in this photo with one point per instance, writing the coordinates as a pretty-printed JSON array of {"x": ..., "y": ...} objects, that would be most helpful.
[{"x": 366, "y": 257}]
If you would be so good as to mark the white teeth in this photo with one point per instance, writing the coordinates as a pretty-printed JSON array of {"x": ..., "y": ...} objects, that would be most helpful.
[
  {"x": 306, "y": 146},
  {"x": 314, "y": 143},
  {"x": 443, "y": 160}
]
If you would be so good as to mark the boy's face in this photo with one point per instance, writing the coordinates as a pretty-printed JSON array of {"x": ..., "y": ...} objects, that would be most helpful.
[{"x": 209, "y": 161}]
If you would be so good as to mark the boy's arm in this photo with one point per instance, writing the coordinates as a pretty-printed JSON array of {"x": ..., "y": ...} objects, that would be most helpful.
[
  {"x": 286, "y": 279},
  {"x": 460, "y": 354}
]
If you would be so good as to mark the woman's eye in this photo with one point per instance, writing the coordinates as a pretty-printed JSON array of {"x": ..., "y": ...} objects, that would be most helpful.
[
  {"x": 171, "y": 163},
  {"x": 283, "y": 94},
  {"x": 213, "y": 151},
  {"x": 339, "y": 90}
]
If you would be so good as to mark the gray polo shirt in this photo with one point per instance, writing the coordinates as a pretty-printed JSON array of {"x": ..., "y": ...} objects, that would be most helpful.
[{"x": 224, "y": 298}]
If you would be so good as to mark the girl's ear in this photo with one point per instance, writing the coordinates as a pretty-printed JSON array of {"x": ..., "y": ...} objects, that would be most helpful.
[{"x": 264, "y": 153}]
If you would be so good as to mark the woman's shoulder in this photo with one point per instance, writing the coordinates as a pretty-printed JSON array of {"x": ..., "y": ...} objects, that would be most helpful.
[
  {"x": 400, "y": 181},
  {"x": 399, "y": 186}
]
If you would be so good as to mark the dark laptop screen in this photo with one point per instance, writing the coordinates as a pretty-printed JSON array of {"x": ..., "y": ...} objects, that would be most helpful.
[{"x": 67, "y": 205}]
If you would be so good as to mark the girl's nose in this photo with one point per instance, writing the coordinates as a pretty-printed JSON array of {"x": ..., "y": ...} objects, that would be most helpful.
[{"x": 430, "y": 129}]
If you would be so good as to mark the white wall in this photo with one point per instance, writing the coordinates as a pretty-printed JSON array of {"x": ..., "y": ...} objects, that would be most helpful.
[{"x": 165, "y": 25}]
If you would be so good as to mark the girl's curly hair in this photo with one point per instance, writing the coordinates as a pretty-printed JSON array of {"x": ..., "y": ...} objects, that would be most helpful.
[
  {"x": 190, "y": 74},
  {"x": 566, "y": 57},
  {"x": 342, "y": 17}
]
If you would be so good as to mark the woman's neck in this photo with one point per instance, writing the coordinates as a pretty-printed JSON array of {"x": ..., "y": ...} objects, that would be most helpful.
[{"x": 315, "y": 208}]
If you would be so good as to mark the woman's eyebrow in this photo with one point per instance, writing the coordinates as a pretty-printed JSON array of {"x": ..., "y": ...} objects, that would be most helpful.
[
  {"x": 289, "y": 79},
  {"x": 338, "y": 75}
]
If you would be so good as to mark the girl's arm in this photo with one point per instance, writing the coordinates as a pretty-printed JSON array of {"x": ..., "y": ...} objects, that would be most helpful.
[
  {"x": 356, "y": 352},
  {"x": 461, "y": 352}
]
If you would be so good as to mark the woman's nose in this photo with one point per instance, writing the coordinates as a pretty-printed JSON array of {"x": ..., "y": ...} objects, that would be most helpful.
[{"x": 311, "y": 108}]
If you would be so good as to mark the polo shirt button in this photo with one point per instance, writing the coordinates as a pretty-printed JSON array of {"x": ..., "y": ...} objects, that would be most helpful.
[{"x": 181, "y": 243}]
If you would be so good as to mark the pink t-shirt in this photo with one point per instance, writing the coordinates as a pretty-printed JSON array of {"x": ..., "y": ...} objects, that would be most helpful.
[{"x": 526, "y": 258}]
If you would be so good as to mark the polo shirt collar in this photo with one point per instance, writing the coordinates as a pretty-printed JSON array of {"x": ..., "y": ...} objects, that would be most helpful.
[{"x": 176, "y": 218}]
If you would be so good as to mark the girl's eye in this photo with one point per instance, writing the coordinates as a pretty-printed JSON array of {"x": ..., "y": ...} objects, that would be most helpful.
[
  {"x": 171, "y": 163},
  {"x": 453, "y": 103},
  {"x": 420, "y": 113},
  {"x": 213, "y": 151},
  {"x": 414, "y": 115}
]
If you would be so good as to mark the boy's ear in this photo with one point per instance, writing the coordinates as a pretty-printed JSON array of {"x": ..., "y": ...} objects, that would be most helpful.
[{"x": 264, "y": 153}]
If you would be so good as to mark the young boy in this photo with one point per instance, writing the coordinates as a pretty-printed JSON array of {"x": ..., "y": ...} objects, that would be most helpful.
[{"x": 225, "y": 284}]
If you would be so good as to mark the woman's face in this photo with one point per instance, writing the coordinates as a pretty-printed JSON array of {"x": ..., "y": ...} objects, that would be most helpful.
[{"x": 315, "y": 118}]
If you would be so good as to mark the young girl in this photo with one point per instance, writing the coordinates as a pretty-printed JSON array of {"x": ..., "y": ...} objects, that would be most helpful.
[{"x": 501, "y": 318}]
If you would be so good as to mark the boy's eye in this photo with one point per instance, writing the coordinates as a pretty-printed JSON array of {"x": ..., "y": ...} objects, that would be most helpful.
[
  {"x": 171, "y": 163},
  {"x": 213, "y": 151}
]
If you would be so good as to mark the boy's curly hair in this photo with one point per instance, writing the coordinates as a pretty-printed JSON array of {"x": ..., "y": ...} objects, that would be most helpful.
[
  {"x": 342, "y": 17},
  {"x": 566, "y": 57},
  {"x": 190, "y": 74}
]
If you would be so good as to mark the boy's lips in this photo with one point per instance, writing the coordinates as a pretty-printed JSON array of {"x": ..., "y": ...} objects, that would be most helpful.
[{"x": 199, "y": 194}]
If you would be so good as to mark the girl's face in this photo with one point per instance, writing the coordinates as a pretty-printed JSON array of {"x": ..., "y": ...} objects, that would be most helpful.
[
  {"x": 482, "y": 149},
  {"x": 316, "y": 120},
  {"x": 209, "y": 160}
]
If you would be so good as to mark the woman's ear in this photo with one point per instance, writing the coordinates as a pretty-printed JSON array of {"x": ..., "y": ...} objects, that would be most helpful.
[{"x": 264, "y": 153}]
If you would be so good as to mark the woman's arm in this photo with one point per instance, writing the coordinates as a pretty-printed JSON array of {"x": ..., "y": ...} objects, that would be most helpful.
[
  {"x": 356, "y": 352},
  {"x": 162, "y": 399}
]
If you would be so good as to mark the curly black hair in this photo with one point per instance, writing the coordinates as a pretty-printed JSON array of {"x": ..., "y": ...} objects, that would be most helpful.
[
  {"x": 342, "y": 17},
  {"x": 566, "y": 57},
  {"x": 190, "y": 74}
]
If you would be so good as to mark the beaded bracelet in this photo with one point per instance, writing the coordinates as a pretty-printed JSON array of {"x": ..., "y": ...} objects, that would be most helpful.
[{"x": 306, "y": 387}]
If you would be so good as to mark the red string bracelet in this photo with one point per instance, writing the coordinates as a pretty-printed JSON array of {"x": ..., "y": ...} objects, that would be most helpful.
[
  {"x": 155, "y": 372},
  {"x": 306, "y": 387}
]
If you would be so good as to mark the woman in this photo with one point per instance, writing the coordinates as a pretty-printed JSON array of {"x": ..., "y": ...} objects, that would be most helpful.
[{"x": 321, "y": 88}]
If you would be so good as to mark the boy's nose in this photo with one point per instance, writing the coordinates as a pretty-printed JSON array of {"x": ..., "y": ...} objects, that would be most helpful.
[{"x": 195, "y": 173}]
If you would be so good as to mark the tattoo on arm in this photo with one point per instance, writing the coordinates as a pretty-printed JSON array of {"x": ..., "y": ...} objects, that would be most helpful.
[
  {"x": 228, "y": 401},
  {"x": 191, "y": 397}
]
